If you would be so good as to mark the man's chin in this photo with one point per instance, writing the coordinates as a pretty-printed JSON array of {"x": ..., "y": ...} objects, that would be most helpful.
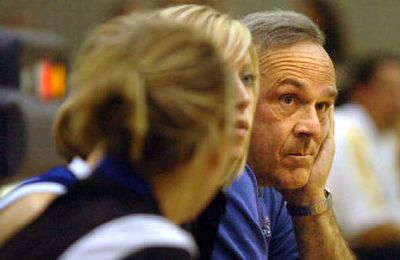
[{"x": 289, "y": 180}]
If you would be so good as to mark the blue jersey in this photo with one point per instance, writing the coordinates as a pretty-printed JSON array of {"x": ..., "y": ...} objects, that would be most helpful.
[
  {"x": 111, "y": 215},
  {"x": 254, "y": 224},
  {"x": 57, "y": 181}
]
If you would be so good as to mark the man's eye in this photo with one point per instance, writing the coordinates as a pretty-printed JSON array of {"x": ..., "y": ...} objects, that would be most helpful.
[
  {"x": 321, "y": 107},
  {"x": 287, "y": 99}
]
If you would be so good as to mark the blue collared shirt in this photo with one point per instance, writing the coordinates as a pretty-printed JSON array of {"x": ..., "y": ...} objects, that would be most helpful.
[{"x": 255, "y": 225}]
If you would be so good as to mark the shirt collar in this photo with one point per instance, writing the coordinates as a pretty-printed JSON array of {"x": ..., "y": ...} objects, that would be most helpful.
[{"x": 122, "y": 173}]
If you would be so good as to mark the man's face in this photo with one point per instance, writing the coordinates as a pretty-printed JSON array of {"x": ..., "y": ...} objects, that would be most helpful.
[{"x": 292, "y": 120}]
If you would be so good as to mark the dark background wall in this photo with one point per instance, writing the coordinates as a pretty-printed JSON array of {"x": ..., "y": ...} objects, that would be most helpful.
[{"x": 371, "y": 24}]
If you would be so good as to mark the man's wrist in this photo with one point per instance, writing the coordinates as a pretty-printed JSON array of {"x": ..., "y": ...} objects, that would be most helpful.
[{"x": 317, "y": 208}]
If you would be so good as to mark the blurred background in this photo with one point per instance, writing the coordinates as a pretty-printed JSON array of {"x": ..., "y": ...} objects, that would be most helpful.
[{"x": 39, "y": 39}]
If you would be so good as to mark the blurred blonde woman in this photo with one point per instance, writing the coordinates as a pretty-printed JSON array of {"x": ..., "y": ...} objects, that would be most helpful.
[
  {"x": 232, "y": 39},
  {"x": 157, "y": 99}
]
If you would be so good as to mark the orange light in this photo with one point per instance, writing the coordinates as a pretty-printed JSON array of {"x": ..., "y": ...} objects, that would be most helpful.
[
  {"x": 52, "y": 78},
  {"x": 57, "y": 89}
]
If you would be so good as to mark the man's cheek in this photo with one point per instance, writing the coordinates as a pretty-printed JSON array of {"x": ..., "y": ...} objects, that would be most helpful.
[{"x": 326, "y": 127}]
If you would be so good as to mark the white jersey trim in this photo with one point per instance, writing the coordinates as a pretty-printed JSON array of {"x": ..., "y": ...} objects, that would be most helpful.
[
  {"x": 20, "y": 192},
  {"x": 79, "y": 168},
  {"x": 126, "y": 235}
]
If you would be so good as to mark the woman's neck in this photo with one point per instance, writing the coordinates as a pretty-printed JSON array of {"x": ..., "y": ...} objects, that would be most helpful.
[{"x": 174, "y": 193}]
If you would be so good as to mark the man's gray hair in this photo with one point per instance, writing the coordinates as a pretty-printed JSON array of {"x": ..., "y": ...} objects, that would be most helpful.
[{"x": 281, "y": 28}]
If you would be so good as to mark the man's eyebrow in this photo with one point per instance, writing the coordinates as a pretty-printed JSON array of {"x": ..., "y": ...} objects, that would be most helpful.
[
  {"x": 330, "y": 92},
  {"x": 293, "y": 82}
]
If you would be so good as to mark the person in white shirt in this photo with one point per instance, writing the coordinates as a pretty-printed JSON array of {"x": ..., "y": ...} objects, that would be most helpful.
[{"x": 365, "y": 177}]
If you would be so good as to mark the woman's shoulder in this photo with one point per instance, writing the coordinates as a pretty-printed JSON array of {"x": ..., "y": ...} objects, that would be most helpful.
[{"x": 134, "y": 235}]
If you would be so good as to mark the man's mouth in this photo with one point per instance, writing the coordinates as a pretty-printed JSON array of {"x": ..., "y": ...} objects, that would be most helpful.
[
  {"x": 300, "y": 155},
  {"x": 300, "y": 160},
  {"x": 306, "y": 152}
]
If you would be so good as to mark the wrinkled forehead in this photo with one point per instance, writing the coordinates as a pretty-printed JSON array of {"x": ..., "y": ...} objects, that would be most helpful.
[{"x": 306, "y": 61}]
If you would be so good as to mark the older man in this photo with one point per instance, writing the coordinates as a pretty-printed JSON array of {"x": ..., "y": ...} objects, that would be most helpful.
[{"x": 291, "y": 151}]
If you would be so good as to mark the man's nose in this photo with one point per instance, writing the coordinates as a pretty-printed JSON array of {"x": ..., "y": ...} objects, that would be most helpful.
[
  {"x": 243, "y": 94},
  {"x": 308, "y": 124}
]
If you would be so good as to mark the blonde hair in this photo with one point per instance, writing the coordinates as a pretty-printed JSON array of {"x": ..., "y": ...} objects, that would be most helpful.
[
  {"x": 232, "y": 38},
  {"x": 62, "y": 134},
  {"x": 150, "y": 92}
]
